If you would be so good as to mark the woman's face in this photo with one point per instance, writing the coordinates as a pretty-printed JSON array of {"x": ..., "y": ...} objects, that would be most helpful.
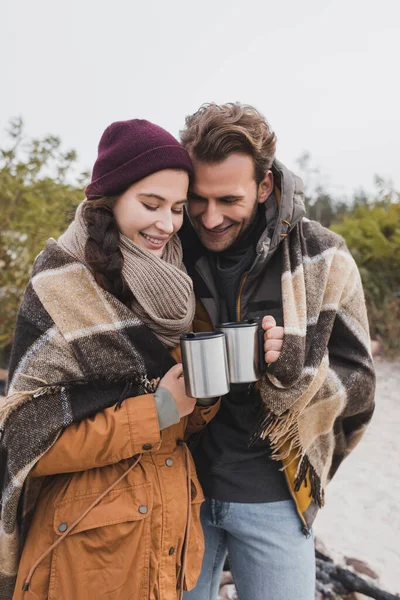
[{"x": 151, "y": 210}]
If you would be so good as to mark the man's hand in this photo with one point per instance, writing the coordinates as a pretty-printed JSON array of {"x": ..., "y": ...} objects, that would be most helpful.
[
  {"x": 273, "y": 337},
  {"x": 174, "y": 382}
]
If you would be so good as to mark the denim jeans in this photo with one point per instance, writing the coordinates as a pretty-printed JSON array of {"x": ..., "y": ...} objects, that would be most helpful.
[{"x": 270, "y": 557}]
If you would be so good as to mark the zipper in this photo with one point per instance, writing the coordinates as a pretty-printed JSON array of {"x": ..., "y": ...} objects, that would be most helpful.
[
  {"x": 245, "y": 276},
  {"x": 238, "y": 307}
]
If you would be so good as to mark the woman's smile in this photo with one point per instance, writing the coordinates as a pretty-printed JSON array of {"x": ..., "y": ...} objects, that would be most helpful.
[{"x": 154, "y": 242}]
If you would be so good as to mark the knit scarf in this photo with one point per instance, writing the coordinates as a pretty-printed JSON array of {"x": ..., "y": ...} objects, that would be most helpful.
[{"x": 162, "y": 290}]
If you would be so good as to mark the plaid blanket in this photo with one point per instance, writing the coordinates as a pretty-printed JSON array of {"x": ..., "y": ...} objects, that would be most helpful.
[
  {"x": 60, "y": 374},
  {"x": 318, "y": 397}
]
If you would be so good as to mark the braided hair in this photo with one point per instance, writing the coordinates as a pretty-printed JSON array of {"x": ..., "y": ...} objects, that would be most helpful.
[{"x": 102, "y": 251}]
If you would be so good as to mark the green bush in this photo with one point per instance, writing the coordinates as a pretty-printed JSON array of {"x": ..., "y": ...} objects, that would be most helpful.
[
  {"x": 38, "y": 194},
  {"x": 372, "y": 233}
]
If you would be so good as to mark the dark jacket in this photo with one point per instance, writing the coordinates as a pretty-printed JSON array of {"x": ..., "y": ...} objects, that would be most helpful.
[{"x": 348, "y": 383}]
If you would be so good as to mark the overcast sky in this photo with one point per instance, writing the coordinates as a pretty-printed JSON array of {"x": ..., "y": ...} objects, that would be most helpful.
[{"x": 324, "y": 72}]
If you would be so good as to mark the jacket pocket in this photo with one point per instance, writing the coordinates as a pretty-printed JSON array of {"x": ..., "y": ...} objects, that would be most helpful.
[
  {"x": 107, "y": 554},
  {"x": 195, "y": 548}
]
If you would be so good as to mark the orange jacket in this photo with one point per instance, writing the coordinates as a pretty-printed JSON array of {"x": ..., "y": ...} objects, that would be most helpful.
[{"x": 143, "y": 539}]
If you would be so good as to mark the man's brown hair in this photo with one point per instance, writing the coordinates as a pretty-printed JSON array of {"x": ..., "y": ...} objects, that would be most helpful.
[{"x": 216, "y": 131}]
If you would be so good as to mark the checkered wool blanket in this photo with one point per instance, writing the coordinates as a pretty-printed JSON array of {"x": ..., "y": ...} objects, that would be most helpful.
[
  {"x": 60, "y": 374},
  {"x": 318, "y": 397}
]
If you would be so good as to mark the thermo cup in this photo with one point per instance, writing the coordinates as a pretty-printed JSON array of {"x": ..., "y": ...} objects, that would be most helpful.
[
  {"x": 245, "y": 350},
  {"x": 205, "y": 364}
]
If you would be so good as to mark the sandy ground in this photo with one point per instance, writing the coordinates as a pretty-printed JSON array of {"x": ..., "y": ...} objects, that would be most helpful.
[{"x": 362, "y": 513}]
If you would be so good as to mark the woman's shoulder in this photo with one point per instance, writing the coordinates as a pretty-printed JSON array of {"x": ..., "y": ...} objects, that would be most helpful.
[{"x": 51, "y": 257}]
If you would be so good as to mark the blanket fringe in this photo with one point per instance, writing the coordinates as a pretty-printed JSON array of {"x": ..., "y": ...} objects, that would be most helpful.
[
  {"x": 283, "y": 433},
  {"x": 149, "y": 386},
  {"x": 17, "y": 399},
  {"x": 280, "y": 430},
  {"x": 305, "y": 469}
]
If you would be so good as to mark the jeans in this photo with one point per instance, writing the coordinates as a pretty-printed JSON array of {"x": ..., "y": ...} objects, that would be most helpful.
[{"x": 270, "y": 557}]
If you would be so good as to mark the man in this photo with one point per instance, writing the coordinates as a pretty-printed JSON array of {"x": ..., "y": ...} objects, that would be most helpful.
[{"x": 266, "y": 457}]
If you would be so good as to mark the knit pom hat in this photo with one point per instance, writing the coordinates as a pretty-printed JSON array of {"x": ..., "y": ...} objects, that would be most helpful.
[{"x": 131, "y": 150}]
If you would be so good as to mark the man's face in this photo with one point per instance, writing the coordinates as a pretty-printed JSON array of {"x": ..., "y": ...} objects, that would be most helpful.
[{"x": 223, "y": 199}]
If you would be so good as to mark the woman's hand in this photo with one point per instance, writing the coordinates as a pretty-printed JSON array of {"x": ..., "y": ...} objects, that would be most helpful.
[
  {"x": 174, "y": 382},
  {"x": 273, "y": 337}
]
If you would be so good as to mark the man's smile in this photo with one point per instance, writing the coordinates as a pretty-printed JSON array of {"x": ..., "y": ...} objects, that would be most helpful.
[{"x": 217, "y": 232}]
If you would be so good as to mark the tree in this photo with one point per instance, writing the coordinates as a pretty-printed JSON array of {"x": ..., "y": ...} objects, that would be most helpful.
[
  {"x": 38, "y": 195},
  {"x": 319, "y": 203}
]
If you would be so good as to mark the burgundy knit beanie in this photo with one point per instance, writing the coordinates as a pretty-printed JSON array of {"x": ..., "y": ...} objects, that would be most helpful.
[{"x": 129, "y": 151}]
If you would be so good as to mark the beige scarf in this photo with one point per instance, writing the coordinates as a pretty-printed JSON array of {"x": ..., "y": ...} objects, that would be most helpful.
[{"x": 162, "y": 289}]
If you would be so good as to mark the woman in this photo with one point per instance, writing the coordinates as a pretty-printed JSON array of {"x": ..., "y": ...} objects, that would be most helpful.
[{"x": 94, "y": 423}]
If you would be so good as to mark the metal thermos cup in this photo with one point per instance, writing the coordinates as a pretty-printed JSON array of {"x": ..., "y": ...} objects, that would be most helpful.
[
  {"x": 205, "y": 364},
  {"x": 244, "y": 345}
]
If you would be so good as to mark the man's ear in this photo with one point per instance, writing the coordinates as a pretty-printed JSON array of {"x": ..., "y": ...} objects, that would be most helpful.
[{"x": 265, "y": 187}]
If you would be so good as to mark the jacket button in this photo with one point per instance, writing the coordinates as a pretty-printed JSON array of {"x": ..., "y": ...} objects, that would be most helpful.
[
  {"x": 169, "y": 462},
  {"x": 171, "y": 551},
  {"x": 143, "y": 509},
  {"x": 147, "y": 446},
  {"x": 62, "y": 527}
]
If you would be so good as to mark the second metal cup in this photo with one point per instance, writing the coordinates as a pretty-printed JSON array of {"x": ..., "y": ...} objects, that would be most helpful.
[{"x": 244, "y": 345}]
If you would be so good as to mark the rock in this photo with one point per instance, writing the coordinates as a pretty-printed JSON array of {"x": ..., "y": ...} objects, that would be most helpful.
[
  {"x": 226, "y": 578},
  {"x": 361, "y": 567},
  {"x": 321, "y": 550},
  {"x": 228, "y": 592}
]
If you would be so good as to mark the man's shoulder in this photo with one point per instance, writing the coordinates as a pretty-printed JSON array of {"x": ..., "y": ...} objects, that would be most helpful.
[{"x": 319, "y": 237}]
